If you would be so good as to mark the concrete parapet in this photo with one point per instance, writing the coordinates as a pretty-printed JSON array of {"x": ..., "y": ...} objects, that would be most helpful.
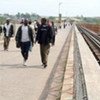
[{"x": 90, "y": 67}]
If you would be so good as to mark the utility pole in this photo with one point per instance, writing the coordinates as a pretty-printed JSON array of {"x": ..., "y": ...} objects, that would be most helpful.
[{"x": 59, "y": 13}]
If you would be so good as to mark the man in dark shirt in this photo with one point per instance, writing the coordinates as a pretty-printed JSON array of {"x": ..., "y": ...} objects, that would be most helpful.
[
  {"x": 0, "y": 30},
  {"x": 44, "y": 38}
]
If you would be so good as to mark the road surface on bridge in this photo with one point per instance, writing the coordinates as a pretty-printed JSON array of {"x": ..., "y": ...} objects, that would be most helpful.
[{"x": 18, "y": 82}]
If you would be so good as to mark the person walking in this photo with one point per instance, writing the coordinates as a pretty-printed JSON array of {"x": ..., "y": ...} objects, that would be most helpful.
[
  {"x": 31, "y": 25},
  {"x": 8, "y": 30},
  {"x": 54, "y": 29},
  {"x": 24, "y": 39},
  {"x": 36, "y": 26},
  {"x": 0, "y": 30},
  {"x": 44, "y": 38}
]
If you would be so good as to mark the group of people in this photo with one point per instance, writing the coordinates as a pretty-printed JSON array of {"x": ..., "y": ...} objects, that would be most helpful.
[{"x": 45, "y": 36}]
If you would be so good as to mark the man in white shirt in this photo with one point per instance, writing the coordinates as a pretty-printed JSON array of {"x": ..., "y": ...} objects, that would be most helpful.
[
  {"x": 24, "y": 37},
  {"x": 8, "y": 33}
]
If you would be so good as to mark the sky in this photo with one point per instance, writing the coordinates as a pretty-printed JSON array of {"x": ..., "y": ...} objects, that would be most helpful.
[{"x": 88, "y": 8}]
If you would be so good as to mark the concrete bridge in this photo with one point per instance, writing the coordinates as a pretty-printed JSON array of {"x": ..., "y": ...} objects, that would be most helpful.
[{"x": 72, "y": 72}]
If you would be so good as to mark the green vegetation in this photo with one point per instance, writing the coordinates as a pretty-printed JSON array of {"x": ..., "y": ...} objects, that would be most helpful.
[
  {"x": 32, "y": 16},
  {"x": 52, "y": 18},
  {"x": 2, "y": 20},
  {"x": 18, "y": 16},
  {"x": 92, "y": 20}
]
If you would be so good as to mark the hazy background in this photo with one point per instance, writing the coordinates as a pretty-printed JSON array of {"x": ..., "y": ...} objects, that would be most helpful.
[{"x": 50, "y": 7}]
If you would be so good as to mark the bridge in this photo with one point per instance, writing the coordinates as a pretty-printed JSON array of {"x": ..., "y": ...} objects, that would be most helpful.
[{"x": 73, "y": 71}]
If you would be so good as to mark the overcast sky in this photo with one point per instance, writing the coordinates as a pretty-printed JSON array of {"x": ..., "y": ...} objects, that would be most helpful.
[{"x": 50, "y": 7}]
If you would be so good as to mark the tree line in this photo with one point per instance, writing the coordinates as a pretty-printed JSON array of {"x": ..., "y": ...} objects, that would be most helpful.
[{"x": 18, "y": 16}]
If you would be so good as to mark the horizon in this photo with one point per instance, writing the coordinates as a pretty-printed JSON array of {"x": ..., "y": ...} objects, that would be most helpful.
[{"x": 47, "y": 15}]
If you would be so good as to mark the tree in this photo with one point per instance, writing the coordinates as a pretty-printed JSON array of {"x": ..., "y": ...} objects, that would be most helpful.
[
  {"x": 52, "y": 18},
  {"x": 2, "y": 20},
  {"x": 18, "y": 15}
]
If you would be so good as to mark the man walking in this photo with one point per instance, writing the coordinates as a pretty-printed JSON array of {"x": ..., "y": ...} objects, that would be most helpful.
[
  {"x": 44, "y": 38},
  {"x": 54, "y": 29},
  {"x": 24, "y": 38},
  {"x": 8, "y": 33}
]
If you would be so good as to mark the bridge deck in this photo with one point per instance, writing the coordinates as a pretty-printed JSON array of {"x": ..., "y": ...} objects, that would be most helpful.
[{"x": 19, "y": 82}]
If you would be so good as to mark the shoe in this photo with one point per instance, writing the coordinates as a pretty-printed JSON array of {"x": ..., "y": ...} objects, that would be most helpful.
[
  {"x": 45, "y": 65},
  {"x": 42, "y": 65},
  {"x": 24, "y": 63},
  {"x": 5, "y": 49}
]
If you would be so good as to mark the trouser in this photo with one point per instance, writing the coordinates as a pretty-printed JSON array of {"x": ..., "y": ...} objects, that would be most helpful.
[
  {"x": 53, "y": 39},
  {"x": 25, "y": 46},
  {"x": 6, "y": 42},
  {"x": 44, "y": 51}
]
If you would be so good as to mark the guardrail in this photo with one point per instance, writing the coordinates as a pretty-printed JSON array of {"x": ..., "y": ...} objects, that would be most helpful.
[
  {"x": 95, "y": 39},
  {"x": 92, "y": 40}
]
